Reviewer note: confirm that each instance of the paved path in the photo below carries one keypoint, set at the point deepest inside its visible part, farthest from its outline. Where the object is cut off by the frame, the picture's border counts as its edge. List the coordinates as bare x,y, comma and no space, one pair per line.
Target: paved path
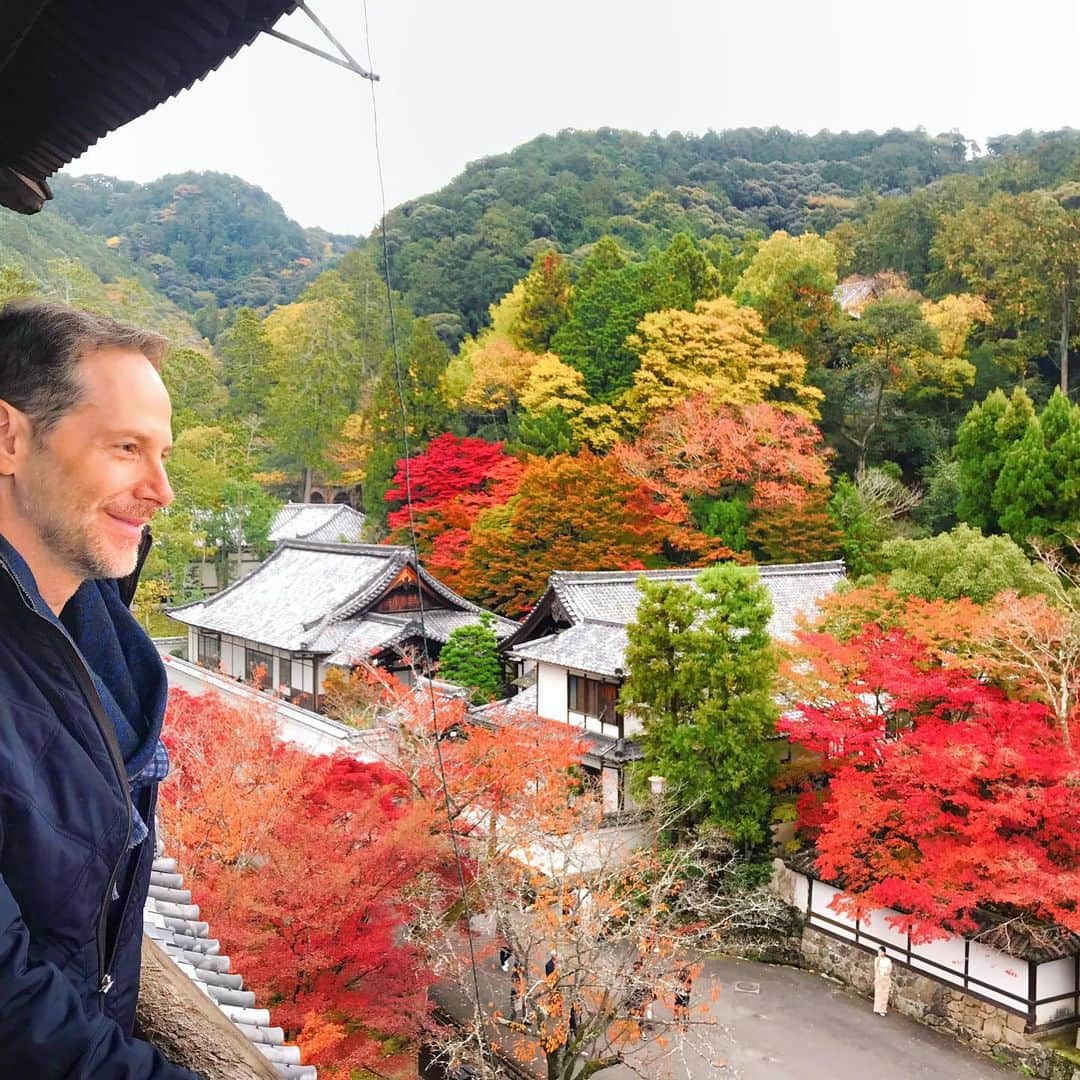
798,1026
805,1027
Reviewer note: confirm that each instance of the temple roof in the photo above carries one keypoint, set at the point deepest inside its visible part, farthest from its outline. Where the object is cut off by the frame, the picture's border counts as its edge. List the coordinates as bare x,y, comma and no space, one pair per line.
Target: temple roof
318,598
72,71
332,523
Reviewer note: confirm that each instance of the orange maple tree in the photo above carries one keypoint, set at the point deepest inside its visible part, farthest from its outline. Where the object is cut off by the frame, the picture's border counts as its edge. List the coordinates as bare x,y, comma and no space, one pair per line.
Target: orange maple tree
941,791
306,864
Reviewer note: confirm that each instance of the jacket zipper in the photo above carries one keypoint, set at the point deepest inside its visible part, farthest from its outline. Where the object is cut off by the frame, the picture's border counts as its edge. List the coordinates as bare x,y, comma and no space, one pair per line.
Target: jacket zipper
97,709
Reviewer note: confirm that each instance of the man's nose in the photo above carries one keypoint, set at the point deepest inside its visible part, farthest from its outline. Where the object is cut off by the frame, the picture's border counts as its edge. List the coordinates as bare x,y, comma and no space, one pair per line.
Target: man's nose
156,487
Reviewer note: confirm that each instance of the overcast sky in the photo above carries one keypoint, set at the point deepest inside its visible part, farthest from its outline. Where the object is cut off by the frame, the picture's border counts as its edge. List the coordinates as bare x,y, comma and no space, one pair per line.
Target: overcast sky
476,77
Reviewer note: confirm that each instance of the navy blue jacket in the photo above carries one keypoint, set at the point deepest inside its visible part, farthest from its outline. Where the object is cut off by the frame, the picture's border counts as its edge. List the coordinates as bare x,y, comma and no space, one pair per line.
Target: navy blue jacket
71,896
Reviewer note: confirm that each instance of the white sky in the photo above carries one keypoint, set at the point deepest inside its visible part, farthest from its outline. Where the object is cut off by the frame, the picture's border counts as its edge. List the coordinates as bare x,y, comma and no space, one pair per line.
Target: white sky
461,80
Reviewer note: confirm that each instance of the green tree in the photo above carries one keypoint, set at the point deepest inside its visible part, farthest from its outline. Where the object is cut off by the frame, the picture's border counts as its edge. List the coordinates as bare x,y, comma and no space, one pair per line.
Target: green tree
790,283
544,303
612,296
891,351
980,454
1022,253
246,358
14,283
470,658
316,381
1023,493
700,668
421,399
192,378
959,563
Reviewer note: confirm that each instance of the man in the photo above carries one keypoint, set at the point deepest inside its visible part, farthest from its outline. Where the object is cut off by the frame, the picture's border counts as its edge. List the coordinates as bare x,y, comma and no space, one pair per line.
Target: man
84,433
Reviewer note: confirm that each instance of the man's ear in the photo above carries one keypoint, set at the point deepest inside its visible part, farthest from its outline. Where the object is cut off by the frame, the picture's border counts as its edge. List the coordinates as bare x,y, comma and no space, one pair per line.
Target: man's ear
14,434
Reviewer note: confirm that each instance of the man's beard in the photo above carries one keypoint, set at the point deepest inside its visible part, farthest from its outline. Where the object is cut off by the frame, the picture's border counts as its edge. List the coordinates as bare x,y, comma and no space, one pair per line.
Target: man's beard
64,527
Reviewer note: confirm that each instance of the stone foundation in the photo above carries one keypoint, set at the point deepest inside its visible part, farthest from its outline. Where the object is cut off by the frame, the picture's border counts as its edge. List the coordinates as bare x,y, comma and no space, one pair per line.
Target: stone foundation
982,1026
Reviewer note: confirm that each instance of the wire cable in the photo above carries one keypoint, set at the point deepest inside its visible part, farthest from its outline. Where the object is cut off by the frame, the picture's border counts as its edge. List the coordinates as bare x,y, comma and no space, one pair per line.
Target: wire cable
399,380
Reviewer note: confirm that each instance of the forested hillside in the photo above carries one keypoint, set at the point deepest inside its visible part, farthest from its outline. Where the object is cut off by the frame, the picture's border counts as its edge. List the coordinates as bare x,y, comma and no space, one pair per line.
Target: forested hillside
205,239
621,350
47,253
460,248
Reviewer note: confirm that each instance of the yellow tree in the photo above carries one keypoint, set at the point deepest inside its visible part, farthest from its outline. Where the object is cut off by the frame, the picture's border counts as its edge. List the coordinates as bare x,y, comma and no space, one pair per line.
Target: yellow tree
718,349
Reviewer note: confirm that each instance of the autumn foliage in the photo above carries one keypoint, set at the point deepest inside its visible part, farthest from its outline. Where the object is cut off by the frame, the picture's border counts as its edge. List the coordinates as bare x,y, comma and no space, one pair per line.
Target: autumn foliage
570,513
451,483
948,781
305,865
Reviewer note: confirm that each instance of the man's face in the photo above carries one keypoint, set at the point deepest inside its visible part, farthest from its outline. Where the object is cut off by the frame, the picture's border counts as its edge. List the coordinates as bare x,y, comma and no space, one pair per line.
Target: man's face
89,485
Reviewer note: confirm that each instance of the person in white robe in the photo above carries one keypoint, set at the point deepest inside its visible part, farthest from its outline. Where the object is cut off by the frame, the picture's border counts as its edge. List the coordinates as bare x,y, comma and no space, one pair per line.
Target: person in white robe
882,981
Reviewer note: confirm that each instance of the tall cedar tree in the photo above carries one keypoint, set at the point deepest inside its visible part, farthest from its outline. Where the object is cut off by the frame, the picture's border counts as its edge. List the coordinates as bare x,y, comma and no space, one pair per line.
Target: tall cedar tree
944,795
570,513
1020,473
309,893
544,307
470,658
452,482
701,666
421,400
246,357
612,296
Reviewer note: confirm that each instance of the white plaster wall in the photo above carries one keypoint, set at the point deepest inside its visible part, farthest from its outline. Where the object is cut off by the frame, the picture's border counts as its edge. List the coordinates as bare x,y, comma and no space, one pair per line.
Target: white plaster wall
609,787
876,923
1053,978
632,726
946,951
822,897
551,700
998,969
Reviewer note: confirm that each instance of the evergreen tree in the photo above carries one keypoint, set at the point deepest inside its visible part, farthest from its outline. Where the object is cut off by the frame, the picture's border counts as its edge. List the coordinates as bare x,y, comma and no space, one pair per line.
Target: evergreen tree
1023,492
421,399
544,304
610,299
470,658
701,666
246,355
979,453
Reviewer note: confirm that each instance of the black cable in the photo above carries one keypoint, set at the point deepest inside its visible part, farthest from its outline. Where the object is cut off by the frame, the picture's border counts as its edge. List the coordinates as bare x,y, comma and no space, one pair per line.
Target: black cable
425,653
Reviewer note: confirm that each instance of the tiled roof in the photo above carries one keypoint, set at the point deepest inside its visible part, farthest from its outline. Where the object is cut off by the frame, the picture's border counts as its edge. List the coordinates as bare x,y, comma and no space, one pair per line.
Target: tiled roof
599,648
328,523
71,71
612,596
172,921
314,597
290,594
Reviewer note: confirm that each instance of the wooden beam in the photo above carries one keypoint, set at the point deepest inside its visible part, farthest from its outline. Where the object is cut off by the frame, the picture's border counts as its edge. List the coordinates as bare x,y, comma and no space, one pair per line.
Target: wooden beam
188,1028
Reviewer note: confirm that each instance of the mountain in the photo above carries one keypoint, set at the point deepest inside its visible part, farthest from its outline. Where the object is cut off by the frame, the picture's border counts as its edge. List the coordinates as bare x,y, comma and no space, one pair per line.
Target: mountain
203,239
462,247
63,261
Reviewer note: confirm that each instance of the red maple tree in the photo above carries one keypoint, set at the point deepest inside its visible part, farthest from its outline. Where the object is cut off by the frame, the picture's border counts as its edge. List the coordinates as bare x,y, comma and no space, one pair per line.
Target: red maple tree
306,864
452,482
943,795
571,512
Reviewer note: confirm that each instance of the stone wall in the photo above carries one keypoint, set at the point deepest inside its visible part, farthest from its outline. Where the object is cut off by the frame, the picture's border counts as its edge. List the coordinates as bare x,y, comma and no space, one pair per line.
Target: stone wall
982,1026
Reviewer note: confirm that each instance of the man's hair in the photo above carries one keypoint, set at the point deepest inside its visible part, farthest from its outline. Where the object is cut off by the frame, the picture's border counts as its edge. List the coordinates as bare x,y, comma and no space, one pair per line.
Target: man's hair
42,341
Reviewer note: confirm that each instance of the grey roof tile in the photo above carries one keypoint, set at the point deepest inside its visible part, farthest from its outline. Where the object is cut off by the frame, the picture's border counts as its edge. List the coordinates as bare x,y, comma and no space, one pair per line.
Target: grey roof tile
187,943
315,598
332,523
613,596
599,648
601,604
